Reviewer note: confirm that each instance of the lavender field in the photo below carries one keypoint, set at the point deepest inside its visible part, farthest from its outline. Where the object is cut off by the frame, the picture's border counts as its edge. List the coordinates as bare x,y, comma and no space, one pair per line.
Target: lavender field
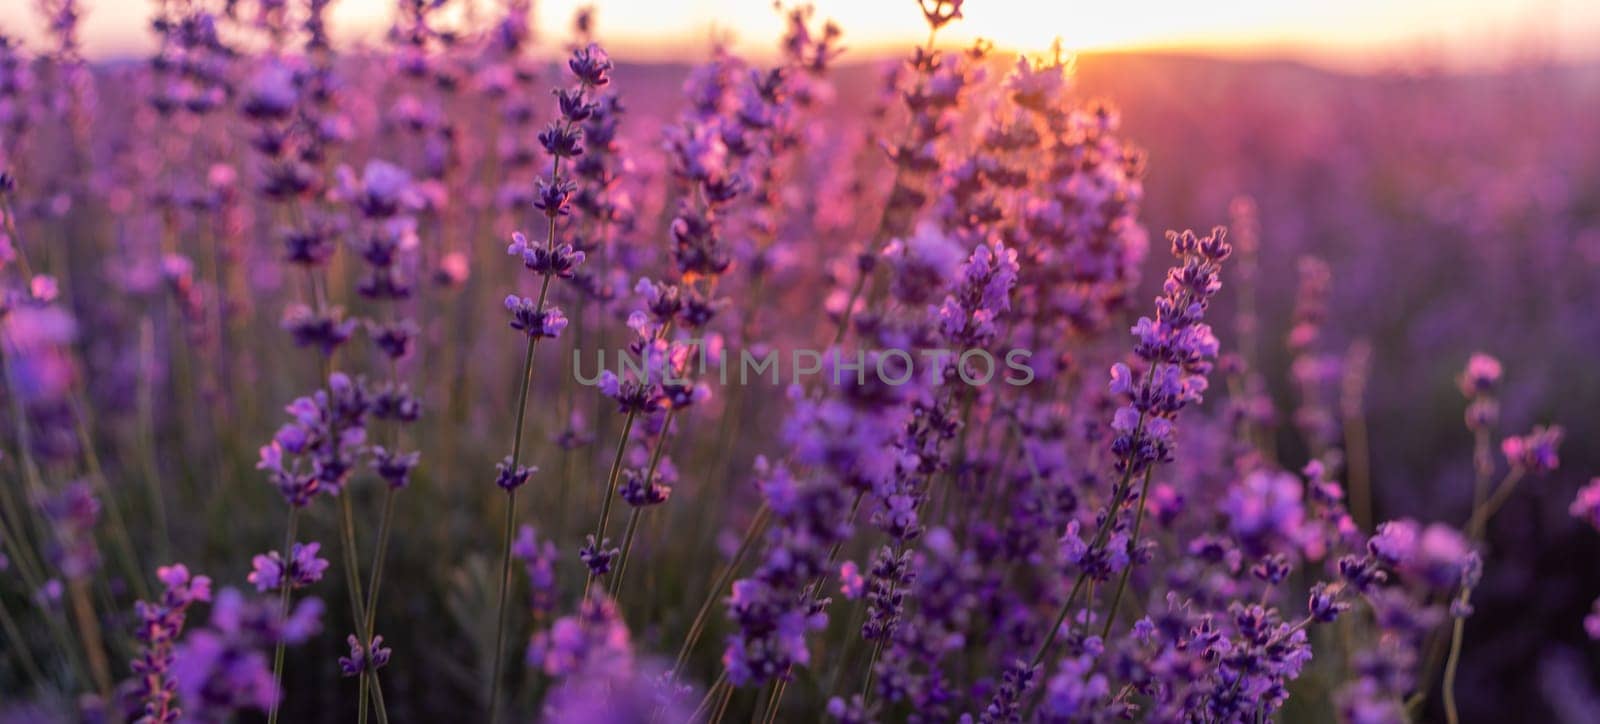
475,375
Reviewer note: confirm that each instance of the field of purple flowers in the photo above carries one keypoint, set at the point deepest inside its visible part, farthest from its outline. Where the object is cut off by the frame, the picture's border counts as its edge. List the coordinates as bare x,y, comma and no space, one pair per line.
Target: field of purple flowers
473,376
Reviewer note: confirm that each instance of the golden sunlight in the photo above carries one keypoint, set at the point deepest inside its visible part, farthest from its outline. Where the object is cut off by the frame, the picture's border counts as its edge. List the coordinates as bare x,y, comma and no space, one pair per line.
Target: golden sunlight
1357,32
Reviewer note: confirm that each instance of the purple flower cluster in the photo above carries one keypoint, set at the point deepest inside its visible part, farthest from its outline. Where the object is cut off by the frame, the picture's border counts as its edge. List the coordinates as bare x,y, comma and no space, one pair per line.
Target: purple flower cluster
1314,370
781,602
319,449
1177,349
302,568
1586,506
73,514
601,679
538,559
159,629
364,659
1534,452
223,669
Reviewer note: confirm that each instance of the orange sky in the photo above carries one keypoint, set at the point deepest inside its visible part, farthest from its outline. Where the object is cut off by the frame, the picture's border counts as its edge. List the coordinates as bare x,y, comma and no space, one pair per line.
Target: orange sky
1351,33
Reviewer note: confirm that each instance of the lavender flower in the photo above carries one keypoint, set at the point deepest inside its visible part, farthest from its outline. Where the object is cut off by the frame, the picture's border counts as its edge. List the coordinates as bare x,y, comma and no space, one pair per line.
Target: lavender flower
1179,349
510,477
393,466
1586,506
359,661
159,629
73,514
317,451
1265,511
1536,451
593,640
775,608
598,556
222,669
303,568
539,562
527,317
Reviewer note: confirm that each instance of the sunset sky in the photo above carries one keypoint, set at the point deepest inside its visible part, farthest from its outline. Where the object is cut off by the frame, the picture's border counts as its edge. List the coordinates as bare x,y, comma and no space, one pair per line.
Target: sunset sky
1353,33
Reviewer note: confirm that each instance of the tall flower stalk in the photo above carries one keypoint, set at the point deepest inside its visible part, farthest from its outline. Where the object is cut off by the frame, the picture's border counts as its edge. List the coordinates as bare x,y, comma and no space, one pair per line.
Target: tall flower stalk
315,453
1177,349
386,240
563,139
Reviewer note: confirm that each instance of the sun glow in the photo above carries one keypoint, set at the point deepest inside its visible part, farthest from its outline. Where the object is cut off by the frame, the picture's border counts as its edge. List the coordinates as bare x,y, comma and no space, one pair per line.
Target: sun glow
1473,32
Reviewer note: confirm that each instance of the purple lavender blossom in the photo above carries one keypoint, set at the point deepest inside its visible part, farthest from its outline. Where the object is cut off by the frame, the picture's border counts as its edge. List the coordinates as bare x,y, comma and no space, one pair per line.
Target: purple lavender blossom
1586,506
508,477
359,661
598,556
1536,451
775,607
303,568
73,514
538,559
159,629
318,450
1265,510
527,317
1179,349
223,669
593,640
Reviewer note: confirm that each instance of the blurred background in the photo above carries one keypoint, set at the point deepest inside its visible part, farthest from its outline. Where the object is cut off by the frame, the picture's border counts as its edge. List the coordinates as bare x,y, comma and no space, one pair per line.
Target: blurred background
1442,156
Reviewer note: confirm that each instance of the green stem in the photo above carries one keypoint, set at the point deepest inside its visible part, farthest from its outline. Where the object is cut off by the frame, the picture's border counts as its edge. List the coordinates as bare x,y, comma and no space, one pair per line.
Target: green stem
757,524
30,467
33,580
1482,511
14,536
1061,617
374,583
1475,527
508,529
633,516
1481,515
611,492
90,664
817,586
352,579
20,647
775,702
1483,465
722,705
1133,545
710,696
1101,534
1456,634
376,580
97,479
872,661
147,441
283,607
89,630
377,698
